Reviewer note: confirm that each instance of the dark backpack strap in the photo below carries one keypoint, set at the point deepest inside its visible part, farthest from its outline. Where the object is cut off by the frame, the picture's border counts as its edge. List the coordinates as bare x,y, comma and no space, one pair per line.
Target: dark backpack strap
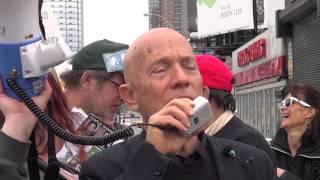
33,166
52,171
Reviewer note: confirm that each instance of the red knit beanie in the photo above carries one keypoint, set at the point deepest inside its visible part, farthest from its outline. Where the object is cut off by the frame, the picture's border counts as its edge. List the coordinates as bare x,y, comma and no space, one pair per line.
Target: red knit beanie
215,74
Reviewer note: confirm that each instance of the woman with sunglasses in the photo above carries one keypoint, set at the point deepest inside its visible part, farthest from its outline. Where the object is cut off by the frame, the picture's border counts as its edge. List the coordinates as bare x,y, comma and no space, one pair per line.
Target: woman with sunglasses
297,142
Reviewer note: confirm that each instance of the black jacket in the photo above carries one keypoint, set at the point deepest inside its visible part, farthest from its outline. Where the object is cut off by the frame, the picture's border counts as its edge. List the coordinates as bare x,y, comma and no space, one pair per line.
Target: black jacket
136,159
306,163
237,130
13,156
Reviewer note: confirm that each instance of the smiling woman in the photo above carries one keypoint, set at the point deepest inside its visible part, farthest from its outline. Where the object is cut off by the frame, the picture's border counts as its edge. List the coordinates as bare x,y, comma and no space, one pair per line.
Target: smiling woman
297,142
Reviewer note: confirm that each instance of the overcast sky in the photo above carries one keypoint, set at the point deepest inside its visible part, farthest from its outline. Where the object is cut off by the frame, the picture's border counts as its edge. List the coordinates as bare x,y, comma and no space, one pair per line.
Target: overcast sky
117,20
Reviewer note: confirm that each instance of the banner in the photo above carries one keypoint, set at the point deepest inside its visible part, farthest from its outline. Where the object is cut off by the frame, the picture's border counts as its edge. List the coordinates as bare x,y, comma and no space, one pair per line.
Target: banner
268,69
221,16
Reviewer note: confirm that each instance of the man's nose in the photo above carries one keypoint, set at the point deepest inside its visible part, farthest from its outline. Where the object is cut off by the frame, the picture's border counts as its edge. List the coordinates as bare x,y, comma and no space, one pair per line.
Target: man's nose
180,76
282,107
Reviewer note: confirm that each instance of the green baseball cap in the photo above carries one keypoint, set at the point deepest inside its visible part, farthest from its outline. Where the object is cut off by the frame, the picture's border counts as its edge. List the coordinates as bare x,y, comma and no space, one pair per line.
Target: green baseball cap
102,54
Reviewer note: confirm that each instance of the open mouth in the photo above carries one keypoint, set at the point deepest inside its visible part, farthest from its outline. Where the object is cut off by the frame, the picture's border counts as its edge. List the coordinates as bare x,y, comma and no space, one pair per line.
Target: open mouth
285,115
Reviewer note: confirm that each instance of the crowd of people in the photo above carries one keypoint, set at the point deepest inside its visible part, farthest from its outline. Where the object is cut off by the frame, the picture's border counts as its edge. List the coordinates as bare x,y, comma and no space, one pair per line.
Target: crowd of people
159,76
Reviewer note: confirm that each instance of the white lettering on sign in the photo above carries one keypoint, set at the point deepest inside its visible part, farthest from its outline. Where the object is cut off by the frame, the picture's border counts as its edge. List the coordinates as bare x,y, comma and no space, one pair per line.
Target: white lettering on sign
51,40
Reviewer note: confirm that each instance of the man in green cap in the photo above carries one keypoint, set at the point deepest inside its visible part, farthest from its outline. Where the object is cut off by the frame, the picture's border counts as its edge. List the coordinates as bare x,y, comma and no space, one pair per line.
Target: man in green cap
92,84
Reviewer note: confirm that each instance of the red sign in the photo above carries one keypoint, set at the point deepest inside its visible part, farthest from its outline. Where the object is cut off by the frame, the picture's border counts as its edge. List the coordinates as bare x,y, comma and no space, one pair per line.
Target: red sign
271,68
252,53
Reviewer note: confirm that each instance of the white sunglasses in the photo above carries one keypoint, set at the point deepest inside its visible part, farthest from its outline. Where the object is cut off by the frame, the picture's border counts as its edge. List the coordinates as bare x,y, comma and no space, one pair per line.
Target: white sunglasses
289,100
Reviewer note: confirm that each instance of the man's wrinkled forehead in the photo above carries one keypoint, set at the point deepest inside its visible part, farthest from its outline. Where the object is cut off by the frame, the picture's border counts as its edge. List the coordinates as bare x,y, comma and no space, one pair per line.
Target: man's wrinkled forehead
133,62
141,51
151,45
163,48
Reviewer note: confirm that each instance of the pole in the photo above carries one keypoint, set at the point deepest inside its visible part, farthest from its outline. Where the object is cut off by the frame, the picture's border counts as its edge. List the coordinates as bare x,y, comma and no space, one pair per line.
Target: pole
255,18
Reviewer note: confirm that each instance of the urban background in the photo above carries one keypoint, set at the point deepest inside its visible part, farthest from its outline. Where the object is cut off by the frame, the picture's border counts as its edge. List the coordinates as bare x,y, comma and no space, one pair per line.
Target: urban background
266,43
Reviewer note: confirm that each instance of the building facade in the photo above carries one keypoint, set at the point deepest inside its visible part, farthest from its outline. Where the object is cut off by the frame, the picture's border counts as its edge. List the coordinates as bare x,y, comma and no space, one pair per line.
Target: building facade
260,68
69,14
178,14
299,25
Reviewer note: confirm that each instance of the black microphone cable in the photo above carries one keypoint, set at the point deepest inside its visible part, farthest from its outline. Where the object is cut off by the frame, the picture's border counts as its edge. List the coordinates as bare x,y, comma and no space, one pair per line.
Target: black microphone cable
61,133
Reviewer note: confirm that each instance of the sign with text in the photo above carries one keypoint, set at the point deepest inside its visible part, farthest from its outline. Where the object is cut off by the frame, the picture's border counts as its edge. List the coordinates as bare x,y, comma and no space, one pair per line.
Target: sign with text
252,53
261,58
268,69
221,16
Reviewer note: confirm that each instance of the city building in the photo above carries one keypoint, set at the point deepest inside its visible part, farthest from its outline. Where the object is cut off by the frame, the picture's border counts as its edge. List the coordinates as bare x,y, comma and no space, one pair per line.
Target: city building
299,25
69,14
260,73
226,25
243,35
179,15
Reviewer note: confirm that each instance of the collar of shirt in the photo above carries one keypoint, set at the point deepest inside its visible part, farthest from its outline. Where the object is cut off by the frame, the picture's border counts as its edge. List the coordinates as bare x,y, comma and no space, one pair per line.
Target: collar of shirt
196,166
200,153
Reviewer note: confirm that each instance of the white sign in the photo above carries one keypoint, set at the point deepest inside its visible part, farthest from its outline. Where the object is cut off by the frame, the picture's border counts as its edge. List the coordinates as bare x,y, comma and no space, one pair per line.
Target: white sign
221,16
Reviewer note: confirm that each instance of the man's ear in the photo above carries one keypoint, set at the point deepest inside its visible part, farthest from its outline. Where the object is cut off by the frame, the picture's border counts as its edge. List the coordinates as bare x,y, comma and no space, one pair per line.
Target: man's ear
206,92
127,95
86,79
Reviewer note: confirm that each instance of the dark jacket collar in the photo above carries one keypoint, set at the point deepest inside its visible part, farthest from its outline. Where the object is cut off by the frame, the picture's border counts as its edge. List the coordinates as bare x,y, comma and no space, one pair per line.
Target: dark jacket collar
216,149
308,147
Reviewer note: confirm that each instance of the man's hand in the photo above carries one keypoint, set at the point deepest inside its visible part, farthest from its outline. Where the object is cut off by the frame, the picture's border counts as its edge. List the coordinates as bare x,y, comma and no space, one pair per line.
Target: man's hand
174,115
19,120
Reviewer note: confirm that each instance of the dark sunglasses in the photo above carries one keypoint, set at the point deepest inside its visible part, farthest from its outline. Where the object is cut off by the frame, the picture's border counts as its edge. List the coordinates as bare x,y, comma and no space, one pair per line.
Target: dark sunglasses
288,101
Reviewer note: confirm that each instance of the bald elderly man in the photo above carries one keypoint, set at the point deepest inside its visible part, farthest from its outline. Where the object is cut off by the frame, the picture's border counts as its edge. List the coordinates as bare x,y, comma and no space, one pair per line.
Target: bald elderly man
162,79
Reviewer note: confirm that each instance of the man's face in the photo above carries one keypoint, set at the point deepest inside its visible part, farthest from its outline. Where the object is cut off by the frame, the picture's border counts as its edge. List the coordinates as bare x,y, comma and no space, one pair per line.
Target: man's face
102,98
169,71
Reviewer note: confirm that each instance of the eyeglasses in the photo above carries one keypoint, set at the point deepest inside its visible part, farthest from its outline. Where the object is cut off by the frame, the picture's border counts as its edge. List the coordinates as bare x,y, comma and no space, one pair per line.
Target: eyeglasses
289,100
113,82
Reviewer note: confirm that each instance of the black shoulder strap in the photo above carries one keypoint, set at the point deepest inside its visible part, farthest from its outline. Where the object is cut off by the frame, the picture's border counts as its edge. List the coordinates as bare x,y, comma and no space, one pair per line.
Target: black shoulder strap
52,171
33,166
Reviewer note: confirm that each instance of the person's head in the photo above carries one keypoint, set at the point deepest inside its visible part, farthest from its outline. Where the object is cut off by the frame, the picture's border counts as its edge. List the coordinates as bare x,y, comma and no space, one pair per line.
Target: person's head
159,66
300,109
95,77
217,77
